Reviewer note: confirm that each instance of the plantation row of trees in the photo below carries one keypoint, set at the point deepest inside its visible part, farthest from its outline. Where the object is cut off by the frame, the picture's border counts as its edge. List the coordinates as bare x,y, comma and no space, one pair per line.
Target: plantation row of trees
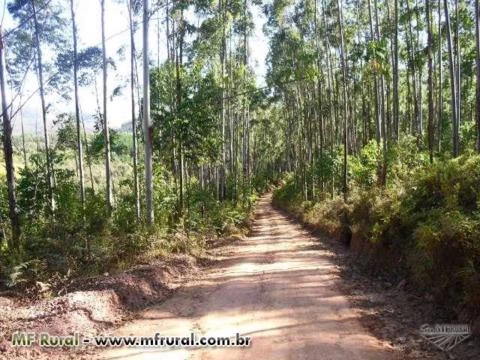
350,72
379,113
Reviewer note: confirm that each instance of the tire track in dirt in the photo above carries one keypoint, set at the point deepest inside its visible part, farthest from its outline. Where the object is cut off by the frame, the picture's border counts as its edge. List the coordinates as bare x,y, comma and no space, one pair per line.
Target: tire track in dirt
277,287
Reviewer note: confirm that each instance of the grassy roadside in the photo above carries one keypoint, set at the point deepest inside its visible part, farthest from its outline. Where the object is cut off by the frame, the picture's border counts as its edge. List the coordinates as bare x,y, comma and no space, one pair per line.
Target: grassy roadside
50,264
424,230
95,304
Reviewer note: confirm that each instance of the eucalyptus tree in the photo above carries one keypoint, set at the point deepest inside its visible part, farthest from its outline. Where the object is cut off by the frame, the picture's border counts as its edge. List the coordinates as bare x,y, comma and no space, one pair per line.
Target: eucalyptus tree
428,15
77,105
396,92
8,156
440,77
134,7
345,109
147,129
222,54
477,46
41,27
106,130
453,83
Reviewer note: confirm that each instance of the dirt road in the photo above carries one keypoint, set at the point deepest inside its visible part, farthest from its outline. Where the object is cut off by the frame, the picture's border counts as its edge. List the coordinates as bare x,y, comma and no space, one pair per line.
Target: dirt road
278,287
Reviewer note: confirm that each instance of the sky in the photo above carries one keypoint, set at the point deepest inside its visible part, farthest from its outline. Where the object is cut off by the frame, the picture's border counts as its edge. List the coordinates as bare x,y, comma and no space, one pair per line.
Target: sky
117,35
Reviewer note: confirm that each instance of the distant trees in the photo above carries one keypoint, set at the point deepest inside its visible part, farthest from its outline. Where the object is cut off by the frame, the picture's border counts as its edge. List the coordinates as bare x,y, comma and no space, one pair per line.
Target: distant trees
393,56
343,77
41,22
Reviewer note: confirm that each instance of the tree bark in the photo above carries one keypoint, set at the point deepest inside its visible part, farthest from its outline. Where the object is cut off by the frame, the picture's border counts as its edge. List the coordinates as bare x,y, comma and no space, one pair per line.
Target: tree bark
106,130
378,114
222,172
44,110
77,108
8,154
134,120
396,100
453,83
430,80
477,28
345,111
440,78
416,126
147,130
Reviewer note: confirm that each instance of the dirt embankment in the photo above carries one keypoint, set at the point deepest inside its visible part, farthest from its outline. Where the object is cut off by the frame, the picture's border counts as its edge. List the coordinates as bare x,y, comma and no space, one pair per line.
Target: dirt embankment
391,308
91,306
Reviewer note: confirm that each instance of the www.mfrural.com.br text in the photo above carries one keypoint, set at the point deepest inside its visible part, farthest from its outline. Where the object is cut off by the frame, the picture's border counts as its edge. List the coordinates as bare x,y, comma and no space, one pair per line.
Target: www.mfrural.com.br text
192,340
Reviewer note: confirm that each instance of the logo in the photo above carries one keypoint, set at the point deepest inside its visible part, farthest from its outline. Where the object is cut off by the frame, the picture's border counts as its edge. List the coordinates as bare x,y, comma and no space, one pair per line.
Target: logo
445,336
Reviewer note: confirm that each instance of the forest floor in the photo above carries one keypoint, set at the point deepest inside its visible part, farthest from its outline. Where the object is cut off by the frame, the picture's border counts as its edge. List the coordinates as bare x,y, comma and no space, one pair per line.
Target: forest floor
293,293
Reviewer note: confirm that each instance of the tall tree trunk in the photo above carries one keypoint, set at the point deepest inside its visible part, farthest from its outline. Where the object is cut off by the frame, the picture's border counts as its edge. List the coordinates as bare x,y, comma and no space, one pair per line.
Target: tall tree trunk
420,76
381,84
458,67
440,78
378,114
77,108
383,172
89,159
8,154
147,131
44,109
430,80
477,28
106,130
178,66
320,112
396,98
245,157
222,169
416,126
345,112
134,120
453,83
24,149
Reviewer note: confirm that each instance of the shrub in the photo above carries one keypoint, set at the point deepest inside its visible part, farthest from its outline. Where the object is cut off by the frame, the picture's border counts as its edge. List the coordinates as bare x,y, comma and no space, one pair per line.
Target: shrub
425,224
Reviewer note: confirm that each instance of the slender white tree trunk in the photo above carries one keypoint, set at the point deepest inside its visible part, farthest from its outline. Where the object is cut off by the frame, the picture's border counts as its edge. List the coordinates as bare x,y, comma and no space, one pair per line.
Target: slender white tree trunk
147,131
106,130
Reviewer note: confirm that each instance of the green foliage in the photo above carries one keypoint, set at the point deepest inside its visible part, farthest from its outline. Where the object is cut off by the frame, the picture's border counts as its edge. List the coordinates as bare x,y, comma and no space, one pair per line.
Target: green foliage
25,273
404,160
289,194
193,122
119,144
427,221
328,165
66,133
364,167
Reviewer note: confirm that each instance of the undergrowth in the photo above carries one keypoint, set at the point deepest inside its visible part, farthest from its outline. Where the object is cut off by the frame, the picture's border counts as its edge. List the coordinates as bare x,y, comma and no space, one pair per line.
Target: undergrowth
423,226
86,243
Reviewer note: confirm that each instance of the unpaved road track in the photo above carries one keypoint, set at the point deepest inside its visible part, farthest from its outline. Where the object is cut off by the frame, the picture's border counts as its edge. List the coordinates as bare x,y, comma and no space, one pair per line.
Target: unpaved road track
278,287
